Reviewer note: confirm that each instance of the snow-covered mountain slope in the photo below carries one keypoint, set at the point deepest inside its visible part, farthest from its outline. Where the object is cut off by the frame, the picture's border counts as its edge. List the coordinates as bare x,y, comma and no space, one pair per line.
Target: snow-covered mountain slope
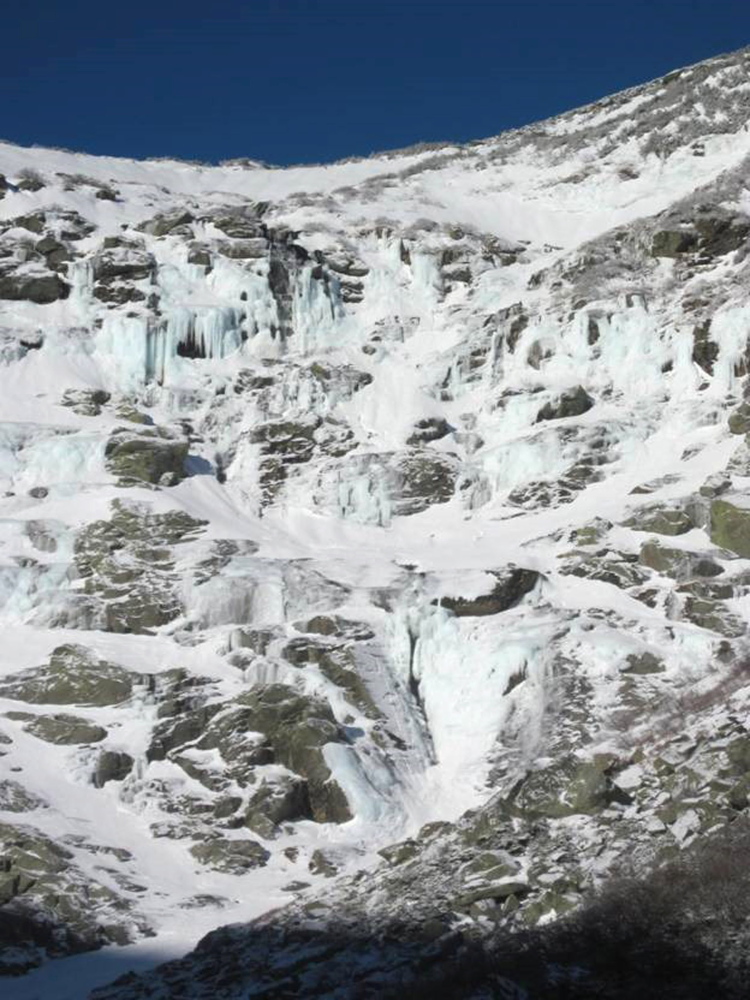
401,501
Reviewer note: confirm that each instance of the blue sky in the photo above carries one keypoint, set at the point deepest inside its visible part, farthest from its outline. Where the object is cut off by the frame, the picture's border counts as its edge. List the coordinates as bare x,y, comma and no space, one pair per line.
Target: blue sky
291,81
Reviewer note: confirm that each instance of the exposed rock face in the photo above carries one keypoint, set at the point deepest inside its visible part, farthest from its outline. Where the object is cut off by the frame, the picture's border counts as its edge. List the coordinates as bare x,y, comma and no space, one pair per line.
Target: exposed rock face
49,906
65,729
32,286
173,223
511,586
393,570
677,563
572,403
72,677
112,765
231,856
730,526
295,730
662,520
127,570
146,457
427,430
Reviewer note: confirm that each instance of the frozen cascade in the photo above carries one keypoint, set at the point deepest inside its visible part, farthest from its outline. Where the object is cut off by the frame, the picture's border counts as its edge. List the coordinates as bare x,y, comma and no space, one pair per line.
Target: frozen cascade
190,334
249,593
63,462
134,350
362,492
122,351
426,278
81,278
368,782
32,591
316,312
31,457
463,668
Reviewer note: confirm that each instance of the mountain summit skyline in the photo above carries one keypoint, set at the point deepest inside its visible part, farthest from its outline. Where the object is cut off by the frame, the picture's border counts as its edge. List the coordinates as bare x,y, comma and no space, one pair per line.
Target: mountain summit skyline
297,82
374,581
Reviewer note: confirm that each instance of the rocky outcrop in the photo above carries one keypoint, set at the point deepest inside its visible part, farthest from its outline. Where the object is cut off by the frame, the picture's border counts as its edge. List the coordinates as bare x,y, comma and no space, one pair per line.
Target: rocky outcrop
127,570
730,525
235,857
147,456
170,224
573,403
567,788
32,285
50,908
677,563
512,585
73,676
662,519
63,729
422,479
295,729
111,765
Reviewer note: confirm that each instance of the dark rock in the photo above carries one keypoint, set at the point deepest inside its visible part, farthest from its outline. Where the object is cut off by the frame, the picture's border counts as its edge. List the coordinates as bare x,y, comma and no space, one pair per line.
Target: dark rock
572,403
714,616
398,854
429,429
126,566
124,263
198,254
231,856
512,584
677,563
111,765
74,676
739,420
705,350
49,908
296,728
720,235
673,243
242,223
174,733
243,249
423,479
163,225
118,294
730,526
321,864
34,222
566,788
284,801
33,286
512,321
343,264
65,730
643,663
662,520
146,457
341,628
